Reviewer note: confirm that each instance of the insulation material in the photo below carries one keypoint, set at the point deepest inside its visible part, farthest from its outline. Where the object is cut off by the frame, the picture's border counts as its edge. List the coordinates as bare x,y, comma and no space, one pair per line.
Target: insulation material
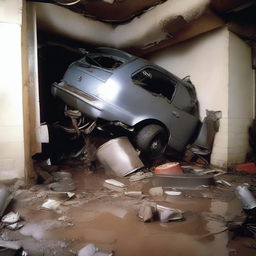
153,26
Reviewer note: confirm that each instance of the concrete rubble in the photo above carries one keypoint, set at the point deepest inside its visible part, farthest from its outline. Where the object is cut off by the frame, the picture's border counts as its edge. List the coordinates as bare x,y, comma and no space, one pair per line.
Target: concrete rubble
140,175
156,191
51,204
150,211
92,250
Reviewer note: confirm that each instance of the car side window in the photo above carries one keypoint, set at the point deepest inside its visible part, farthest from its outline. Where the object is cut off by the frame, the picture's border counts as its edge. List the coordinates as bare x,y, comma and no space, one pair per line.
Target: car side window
155,82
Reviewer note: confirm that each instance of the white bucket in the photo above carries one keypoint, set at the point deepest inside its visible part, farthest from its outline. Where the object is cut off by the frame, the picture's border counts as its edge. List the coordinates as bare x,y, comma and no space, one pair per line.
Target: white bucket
119,156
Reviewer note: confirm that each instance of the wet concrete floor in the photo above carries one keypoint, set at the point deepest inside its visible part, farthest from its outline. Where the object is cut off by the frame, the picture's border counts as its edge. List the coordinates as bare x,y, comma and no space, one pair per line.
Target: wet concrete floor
109,220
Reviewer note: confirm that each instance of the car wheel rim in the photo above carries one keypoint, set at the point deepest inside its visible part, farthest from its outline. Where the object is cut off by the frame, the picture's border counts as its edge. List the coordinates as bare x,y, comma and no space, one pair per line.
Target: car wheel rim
156,145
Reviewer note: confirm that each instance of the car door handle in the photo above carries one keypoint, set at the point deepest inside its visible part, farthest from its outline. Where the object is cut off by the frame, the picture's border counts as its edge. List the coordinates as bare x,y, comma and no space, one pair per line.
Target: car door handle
175,113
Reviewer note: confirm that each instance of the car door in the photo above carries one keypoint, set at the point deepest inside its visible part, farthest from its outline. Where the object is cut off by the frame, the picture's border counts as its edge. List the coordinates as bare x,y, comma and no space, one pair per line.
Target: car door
164,87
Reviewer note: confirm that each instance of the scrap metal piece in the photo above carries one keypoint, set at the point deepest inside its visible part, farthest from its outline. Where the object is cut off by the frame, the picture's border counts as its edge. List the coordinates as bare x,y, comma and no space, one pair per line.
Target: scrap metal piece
150,211
167,214
15,226
182,181
247,199
5,198
115,183
204,142
172,193
223,182
11,218
133,193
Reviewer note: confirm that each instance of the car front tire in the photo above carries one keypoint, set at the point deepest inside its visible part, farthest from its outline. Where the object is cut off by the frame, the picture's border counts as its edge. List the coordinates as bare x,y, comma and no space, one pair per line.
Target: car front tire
151,139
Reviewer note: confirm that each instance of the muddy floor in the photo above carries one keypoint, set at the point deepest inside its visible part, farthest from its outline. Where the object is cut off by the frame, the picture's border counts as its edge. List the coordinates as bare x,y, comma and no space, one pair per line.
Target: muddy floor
109,219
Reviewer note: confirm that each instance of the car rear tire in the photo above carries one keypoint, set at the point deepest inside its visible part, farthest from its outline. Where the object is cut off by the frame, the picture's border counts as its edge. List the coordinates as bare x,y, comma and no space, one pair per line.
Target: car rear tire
151,139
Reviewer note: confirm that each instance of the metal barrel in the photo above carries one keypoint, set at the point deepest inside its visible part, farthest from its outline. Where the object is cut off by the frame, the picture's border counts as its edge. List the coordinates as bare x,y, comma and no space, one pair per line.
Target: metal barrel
119,156
247,199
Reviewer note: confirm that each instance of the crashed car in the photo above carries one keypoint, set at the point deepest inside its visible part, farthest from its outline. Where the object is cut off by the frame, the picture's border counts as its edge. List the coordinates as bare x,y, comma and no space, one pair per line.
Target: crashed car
113,87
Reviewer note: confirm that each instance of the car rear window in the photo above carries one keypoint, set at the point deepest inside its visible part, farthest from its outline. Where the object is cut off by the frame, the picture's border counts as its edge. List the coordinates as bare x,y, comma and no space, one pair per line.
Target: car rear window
155,82
104,62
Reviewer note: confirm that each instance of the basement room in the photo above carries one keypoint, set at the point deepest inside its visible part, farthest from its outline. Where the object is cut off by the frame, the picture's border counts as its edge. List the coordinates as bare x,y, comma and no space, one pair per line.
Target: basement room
127,128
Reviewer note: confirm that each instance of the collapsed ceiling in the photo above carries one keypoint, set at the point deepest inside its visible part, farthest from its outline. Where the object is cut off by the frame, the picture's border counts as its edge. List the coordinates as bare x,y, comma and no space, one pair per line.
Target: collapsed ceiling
139,26
111,11
160,23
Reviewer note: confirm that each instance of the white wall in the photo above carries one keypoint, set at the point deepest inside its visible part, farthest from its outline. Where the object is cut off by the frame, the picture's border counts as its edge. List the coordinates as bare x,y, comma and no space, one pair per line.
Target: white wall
240,96
218,63
11,114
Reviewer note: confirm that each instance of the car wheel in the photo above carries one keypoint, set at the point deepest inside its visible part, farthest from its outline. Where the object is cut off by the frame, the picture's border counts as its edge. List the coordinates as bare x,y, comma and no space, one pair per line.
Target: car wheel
151,139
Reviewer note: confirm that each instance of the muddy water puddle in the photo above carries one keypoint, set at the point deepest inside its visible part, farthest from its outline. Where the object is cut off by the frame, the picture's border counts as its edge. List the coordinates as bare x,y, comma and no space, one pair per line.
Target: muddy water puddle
109,220
112,227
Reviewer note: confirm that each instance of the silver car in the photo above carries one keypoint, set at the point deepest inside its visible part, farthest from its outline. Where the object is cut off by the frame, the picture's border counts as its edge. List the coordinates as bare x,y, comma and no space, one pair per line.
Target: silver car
114,87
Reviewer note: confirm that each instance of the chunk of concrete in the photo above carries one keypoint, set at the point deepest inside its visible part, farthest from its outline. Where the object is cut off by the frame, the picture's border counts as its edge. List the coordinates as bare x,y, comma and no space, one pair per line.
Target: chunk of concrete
156,191
147,211
88,250
92,250
51,204
140,176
